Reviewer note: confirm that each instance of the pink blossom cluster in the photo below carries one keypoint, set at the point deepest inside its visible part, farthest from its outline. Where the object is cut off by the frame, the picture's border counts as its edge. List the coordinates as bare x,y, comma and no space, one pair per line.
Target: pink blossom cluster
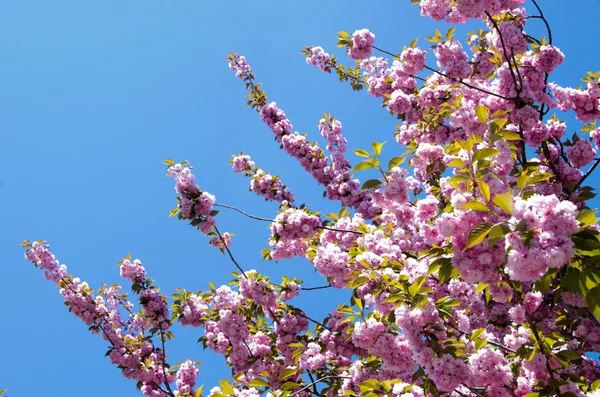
133,271
193,310
413,60
319,58
257,289
548,58
239,66
289,232
194,203
242,163
136,355
186,378
585,103
362,44
463,10
552,222
581,153
221,242
265,185
451,57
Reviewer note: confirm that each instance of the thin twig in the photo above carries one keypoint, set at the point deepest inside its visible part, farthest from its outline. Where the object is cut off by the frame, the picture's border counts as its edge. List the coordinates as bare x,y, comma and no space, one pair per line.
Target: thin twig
314,288
512,73
229,252
260,218
317,381
310,319
545,21
164,354
586,175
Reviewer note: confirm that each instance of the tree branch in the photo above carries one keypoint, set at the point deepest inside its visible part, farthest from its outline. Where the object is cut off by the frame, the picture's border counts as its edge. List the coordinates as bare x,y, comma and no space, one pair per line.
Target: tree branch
229,252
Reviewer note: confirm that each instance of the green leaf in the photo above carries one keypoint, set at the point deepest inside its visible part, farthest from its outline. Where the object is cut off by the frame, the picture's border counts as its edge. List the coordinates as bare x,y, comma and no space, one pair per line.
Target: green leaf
477,234
484,188
496,233
226,387
475,205
484,154
482,113
395,161
286,373
370,183
413,43
456,163
290,385
167,162
569,355
445,272
509,135
477,333
377,147
174,212
258,382
504,201
362,153
499,123
365,165
587,217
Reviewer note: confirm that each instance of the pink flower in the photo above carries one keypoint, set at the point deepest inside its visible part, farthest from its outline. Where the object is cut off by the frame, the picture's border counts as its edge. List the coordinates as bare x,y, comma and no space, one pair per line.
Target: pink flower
362,44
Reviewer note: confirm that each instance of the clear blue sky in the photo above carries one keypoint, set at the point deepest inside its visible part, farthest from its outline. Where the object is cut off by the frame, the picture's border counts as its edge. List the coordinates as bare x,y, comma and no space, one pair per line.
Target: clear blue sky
94,95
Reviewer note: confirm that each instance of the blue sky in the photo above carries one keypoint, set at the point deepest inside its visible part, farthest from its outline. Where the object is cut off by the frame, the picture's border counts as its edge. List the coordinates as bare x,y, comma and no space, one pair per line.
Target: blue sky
94,95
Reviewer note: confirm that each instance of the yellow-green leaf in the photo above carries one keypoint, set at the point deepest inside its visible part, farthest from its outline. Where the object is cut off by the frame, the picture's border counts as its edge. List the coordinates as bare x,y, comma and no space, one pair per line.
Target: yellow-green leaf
504,201
362,153
477,234
484,188
475,205
286,373
482,113
258,382
395,161
377,147
484,154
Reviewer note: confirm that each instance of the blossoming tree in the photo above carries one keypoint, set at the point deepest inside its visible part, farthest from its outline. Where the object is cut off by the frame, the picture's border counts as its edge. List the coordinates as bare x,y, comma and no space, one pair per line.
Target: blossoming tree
473,269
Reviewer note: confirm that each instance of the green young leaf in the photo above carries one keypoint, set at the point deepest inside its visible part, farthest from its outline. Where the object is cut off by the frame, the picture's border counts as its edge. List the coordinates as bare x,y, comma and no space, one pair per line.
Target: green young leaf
258,382
377,147
395,161
226,387
290,385
477,234
475,205
484,188
174,212
509,135
587,217
456,163
286,373
504,201
477,333
413,43
482,113
362,153
370,183
364,165
496,233
484,154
